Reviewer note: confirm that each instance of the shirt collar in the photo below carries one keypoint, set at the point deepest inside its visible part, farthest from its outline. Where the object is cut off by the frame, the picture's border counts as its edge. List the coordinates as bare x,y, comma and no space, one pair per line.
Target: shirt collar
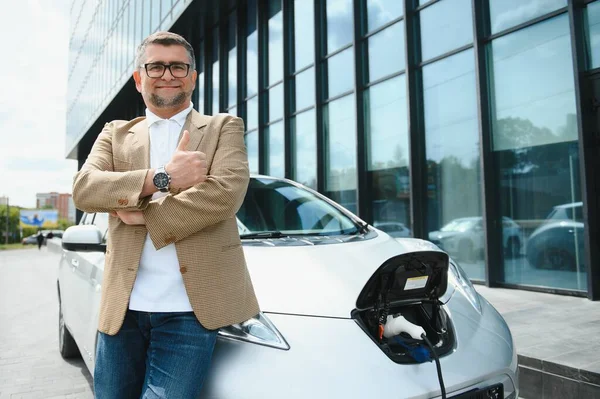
179,118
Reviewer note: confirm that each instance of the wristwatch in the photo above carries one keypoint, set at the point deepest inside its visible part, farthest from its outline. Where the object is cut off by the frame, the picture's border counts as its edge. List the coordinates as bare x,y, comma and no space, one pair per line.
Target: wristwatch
161,179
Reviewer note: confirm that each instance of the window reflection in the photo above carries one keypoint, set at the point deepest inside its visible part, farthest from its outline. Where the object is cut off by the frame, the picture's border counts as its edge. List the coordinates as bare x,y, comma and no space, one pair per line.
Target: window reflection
215,71
445,26
452,150
305,89
505,14
155,11
276,150
276,102
380,12
340,30
251,139
340,74
535,144
200,80
251,51
304,136
592,14
340,132
388,156
275,42
304,33
252,113
379,50
232,60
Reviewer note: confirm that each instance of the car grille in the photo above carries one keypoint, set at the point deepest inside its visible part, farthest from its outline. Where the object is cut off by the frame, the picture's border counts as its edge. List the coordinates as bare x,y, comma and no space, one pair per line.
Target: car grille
492,392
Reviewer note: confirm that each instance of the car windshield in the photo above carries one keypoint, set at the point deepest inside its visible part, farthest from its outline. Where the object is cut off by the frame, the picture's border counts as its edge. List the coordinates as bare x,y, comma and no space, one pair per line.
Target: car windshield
459,225
278,207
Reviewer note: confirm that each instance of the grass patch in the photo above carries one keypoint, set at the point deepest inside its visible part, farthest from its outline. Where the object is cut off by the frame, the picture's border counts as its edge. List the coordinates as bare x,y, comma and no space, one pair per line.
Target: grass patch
15,246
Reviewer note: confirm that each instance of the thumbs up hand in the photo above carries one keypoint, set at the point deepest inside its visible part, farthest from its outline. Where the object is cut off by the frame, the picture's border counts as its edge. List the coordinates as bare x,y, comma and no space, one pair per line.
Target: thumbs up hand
186,168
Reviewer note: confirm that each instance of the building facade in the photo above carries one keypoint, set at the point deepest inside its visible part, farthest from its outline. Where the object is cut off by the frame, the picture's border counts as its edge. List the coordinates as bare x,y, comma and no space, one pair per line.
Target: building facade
62,202
471,123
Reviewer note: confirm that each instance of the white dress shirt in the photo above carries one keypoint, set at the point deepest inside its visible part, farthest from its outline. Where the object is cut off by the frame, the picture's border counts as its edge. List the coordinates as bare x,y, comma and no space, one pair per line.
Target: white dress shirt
159,286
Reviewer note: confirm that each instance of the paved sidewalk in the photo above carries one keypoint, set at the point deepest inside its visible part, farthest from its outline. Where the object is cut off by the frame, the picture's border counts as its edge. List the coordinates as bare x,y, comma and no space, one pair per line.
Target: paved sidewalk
557,339
30,365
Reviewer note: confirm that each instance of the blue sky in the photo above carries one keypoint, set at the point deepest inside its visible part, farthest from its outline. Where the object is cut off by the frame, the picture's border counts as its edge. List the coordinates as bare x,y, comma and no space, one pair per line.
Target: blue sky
33,100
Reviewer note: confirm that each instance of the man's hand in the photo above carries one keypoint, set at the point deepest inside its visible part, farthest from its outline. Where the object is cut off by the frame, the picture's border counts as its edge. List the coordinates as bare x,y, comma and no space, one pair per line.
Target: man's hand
130,217
186,168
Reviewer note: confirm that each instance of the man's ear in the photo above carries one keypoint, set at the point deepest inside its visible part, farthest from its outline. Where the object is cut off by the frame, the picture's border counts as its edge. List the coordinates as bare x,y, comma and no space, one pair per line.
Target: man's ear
138,80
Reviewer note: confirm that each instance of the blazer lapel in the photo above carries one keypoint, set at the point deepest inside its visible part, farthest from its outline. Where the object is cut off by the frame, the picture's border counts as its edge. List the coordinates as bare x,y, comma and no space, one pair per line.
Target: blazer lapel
140,149
194,124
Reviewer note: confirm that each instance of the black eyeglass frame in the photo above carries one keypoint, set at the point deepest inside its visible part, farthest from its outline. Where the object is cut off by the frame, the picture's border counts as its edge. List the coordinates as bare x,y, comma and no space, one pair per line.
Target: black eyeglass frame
165,67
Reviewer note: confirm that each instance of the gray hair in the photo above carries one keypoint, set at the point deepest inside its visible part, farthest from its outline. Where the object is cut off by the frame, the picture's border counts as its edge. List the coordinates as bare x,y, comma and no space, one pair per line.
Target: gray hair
164,39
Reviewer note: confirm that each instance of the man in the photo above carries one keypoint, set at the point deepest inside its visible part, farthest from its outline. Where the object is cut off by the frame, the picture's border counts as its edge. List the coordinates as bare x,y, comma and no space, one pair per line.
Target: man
174,270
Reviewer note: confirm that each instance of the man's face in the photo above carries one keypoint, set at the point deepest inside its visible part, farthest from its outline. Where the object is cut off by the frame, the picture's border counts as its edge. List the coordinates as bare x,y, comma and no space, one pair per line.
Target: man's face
166,92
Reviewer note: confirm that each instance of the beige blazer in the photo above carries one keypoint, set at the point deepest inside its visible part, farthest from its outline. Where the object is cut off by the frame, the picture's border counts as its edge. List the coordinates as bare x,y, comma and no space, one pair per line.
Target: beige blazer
200,220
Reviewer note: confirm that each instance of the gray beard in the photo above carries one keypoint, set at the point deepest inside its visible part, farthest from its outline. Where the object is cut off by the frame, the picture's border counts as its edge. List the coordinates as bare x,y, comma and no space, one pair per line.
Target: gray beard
161,102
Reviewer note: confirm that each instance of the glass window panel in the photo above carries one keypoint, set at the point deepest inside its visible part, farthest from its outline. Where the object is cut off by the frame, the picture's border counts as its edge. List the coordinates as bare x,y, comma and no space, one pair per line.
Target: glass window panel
505,14
276,150
382,61
276,102
340,73
251,51
232,111
155,16
388,156
305,89
166,8
201,93
536,151
445,26
304,136
275,42
215,72
593,34
147,7
200,79
304,33
252,113
452,151
340,133
251,139
232,60
380,12
340,28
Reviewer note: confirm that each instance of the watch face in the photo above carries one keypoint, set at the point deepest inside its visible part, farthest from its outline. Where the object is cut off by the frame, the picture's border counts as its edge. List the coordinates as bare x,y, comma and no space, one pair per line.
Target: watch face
161,180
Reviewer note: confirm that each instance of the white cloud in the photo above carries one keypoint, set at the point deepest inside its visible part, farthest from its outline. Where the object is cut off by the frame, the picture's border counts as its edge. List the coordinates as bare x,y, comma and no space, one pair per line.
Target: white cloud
32,117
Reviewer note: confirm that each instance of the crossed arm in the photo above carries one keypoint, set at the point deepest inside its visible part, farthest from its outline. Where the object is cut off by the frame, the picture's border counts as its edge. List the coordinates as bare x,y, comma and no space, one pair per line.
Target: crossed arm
215,196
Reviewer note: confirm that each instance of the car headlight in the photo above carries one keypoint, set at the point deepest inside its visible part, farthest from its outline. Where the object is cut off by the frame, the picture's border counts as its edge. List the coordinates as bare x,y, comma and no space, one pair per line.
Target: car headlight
257,330
461,282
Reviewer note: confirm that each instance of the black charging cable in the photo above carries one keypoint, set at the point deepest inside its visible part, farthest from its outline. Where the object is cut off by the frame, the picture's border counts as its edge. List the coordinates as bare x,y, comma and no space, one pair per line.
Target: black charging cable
437,365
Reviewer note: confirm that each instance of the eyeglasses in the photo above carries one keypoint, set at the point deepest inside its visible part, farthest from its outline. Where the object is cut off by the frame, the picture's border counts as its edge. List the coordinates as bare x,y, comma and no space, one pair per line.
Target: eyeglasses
157,70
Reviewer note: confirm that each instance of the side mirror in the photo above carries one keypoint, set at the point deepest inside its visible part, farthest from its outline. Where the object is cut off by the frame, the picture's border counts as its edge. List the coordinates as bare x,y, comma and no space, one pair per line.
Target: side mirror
86,238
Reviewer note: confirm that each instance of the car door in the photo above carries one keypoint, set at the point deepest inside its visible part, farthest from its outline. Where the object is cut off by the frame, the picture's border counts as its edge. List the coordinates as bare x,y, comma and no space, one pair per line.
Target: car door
72,286
89,273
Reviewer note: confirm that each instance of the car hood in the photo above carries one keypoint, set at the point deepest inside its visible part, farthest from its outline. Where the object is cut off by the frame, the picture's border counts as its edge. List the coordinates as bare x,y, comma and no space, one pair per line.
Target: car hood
321,280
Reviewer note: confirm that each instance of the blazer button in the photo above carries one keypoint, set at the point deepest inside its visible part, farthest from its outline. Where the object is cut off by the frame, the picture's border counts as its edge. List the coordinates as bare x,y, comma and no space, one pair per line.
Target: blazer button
183,270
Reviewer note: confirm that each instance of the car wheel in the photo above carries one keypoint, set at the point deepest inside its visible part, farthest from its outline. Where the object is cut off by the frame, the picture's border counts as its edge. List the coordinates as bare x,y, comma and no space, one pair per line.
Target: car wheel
66,344
513,248
556,259
465,251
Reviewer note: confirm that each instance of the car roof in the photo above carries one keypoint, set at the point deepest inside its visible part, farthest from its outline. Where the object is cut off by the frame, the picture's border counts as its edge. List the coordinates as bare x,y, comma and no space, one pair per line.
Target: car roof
569,205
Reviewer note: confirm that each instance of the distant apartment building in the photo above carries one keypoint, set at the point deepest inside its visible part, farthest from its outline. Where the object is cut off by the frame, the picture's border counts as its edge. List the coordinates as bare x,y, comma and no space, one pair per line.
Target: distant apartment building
63,202
3,201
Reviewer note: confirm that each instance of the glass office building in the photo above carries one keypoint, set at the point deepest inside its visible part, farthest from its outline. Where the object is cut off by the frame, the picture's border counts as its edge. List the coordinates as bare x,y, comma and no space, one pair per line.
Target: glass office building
471,123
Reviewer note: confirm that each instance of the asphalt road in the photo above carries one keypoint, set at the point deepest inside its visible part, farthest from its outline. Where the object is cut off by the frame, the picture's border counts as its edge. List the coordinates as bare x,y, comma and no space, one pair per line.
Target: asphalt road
30,365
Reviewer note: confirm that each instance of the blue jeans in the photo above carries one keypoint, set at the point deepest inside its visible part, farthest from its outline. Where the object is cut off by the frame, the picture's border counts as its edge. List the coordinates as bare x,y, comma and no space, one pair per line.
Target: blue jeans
154,355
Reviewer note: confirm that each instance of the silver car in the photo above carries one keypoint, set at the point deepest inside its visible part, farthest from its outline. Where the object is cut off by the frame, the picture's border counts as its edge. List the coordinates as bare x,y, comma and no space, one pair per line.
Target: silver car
347,311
